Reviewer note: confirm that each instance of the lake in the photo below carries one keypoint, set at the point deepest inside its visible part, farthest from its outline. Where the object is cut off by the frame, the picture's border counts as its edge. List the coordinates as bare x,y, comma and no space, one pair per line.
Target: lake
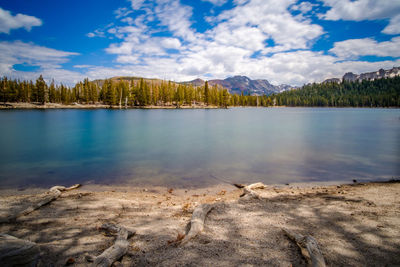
185,148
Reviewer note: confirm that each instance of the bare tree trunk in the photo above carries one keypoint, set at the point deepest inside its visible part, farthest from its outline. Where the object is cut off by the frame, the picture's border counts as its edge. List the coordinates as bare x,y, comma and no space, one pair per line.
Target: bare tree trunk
309,248
18,252
196,224
249,190
50,196
117,250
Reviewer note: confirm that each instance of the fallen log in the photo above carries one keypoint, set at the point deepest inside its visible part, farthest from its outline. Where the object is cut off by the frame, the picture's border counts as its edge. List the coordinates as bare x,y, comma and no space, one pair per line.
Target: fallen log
17,252
50,196
196,224
117,250
309,248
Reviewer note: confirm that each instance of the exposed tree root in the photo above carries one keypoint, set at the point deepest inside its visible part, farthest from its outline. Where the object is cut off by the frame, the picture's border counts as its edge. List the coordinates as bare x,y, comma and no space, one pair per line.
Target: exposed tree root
196,224
249,192
309,248
17,252
116,251
50,196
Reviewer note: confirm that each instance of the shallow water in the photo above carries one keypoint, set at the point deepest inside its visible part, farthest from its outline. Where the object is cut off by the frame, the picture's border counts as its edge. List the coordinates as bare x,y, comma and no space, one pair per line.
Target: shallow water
183,147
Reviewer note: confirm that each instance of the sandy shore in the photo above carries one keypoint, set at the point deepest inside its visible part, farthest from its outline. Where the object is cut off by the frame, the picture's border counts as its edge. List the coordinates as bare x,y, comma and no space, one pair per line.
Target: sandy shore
355,225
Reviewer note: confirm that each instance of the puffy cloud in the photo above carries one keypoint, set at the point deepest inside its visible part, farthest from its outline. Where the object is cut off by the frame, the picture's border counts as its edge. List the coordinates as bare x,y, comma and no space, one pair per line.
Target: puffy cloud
393,27
365,10
354,48
256,38
274,20
237,44
361,9
9,22
170,43
303,7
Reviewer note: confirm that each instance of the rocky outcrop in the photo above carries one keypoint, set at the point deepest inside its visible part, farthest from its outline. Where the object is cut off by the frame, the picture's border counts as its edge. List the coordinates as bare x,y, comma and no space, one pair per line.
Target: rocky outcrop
372,75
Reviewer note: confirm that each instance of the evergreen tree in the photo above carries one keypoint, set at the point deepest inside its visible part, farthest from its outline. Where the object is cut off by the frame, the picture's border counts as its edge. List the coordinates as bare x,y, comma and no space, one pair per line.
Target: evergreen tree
206,93
42,91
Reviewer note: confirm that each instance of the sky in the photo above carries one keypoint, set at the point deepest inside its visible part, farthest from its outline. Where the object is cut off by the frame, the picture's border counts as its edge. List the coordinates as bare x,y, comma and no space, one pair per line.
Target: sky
284,41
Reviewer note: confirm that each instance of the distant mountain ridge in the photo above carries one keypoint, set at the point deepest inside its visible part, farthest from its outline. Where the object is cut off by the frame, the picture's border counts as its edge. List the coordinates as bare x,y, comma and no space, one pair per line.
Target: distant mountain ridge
351,77
245,85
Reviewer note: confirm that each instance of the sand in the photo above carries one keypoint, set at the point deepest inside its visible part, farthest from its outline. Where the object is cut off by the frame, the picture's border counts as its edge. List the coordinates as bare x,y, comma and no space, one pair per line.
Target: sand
355,225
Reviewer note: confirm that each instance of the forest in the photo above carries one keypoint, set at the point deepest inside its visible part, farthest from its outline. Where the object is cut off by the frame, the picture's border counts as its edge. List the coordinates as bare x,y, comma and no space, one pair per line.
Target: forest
377,93
143,92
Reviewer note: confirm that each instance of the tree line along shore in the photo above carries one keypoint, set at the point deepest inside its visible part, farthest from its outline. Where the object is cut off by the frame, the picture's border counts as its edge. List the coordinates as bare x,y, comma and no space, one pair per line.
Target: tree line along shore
142,93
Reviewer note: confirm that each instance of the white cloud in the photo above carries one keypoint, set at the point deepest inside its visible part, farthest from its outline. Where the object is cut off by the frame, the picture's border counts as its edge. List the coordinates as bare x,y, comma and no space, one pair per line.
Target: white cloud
122,12
227,49
136,4
303,7
354,48
365,10
216,2
275,22
170,43
9,22
96,33
361,9
83,66
47,60
393,27
238,43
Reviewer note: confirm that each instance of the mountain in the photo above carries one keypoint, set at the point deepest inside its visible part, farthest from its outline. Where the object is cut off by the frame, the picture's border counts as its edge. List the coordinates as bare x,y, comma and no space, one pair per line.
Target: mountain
245,85
351,77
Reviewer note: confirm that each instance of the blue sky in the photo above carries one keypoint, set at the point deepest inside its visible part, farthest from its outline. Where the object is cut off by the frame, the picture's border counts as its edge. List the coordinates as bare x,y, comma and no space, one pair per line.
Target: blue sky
285,41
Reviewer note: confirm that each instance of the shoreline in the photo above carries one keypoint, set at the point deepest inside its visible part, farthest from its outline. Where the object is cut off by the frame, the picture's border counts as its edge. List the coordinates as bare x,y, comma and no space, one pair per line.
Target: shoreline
12,106
124,188
55,106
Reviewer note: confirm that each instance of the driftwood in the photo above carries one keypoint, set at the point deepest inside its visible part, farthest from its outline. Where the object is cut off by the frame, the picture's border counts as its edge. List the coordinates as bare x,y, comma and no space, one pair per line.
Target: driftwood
196,224
50,196
17,252
249,192
116,251
309,248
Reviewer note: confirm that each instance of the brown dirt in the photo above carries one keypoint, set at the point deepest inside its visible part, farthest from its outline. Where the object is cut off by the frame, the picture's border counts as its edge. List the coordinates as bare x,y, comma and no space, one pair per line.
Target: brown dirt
355,225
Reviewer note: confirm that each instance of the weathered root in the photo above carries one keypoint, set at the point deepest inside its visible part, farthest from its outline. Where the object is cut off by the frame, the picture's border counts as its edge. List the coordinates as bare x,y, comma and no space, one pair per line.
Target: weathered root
309,248
50,196
116,251
196,224
18,252
249,192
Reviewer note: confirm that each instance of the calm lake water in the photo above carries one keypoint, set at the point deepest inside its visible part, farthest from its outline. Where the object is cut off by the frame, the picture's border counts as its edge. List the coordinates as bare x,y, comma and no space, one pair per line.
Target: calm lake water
183,147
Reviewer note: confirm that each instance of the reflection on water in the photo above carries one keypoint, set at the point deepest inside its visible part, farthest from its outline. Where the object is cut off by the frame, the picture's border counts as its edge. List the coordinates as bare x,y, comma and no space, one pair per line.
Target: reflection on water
183,147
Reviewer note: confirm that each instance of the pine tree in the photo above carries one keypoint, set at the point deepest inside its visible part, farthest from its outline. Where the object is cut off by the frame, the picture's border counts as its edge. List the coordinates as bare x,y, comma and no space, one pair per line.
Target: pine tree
206,93
42,91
